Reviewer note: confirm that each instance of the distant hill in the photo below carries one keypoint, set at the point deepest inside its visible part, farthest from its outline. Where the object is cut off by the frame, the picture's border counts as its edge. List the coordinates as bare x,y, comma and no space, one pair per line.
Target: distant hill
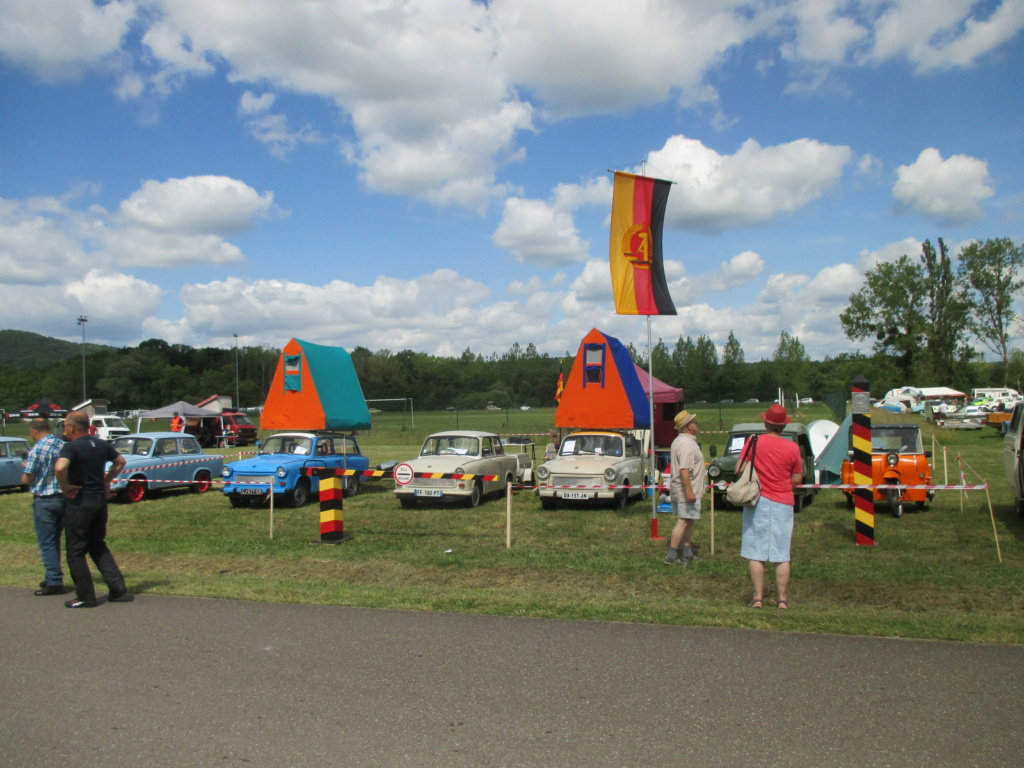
23,349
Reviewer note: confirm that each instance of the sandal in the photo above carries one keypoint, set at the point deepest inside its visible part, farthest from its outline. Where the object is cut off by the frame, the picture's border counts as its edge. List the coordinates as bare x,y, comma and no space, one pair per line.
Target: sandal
756,603
783,604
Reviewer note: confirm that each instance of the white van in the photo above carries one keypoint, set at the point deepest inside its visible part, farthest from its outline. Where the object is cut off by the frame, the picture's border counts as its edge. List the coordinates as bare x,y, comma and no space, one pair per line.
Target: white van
1013,465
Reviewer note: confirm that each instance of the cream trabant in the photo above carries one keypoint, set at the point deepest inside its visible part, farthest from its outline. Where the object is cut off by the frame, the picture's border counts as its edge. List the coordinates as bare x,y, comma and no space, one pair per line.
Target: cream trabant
592,467
461,452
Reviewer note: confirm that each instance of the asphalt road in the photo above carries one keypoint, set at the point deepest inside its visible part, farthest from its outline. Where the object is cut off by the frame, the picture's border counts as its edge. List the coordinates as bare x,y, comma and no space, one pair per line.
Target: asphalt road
181,682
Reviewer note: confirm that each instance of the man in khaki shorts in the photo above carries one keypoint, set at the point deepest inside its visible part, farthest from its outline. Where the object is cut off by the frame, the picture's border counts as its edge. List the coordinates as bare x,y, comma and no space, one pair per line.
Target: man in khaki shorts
685,488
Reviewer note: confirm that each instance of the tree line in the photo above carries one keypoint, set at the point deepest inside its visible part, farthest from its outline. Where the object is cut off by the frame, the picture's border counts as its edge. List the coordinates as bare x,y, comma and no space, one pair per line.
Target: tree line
920,315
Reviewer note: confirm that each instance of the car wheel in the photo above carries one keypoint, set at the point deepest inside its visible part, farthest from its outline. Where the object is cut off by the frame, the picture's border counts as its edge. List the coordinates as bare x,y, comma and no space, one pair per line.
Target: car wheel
352,486
1018,504
546,503
299,495
134,491
239,502
798,502
895,505
621,499
202,483
849,500
476,495
407,503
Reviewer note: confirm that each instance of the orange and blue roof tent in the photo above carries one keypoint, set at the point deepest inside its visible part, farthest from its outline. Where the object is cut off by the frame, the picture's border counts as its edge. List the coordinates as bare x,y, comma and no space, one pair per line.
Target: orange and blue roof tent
603,390
315,387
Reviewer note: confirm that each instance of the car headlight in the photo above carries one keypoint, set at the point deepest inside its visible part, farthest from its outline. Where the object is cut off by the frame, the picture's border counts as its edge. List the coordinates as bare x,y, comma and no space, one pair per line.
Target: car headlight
459,471
543,472
282,472
610,474
225,472
892,459
714,470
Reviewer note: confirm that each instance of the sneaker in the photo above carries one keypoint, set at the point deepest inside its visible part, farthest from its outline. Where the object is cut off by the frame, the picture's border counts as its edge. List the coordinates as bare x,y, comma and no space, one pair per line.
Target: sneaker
113,597
674,561
56,589
692,557
79,604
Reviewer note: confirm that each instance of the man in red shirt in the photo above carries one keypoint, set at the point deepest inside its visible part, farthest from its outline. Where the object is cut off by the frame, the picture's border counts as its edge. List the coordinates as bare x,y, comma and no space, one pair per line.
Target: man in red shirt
768,526
177,423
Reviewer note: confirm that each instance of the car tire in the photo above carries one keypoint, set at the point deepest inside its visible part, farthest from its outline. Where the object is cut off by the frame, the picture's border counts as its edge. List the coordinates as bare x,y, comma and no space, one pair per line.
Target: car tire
798,502
546,503
134,491
621,499
299,495
407,503
202,483
849,500
476,495
352,486
238,502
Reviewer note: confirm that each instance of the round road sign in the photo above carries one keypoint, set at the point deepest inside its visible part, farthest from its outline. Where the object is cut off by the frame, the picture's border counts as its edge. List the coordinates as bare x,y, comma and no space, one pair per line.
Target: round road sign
403,474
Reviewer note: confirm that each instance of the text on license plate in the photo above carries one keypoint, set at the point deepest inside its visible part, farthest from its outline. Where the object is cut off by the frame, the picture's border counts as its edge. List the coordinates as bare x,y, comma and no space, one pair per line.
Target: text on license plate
252,491
428,492
571,495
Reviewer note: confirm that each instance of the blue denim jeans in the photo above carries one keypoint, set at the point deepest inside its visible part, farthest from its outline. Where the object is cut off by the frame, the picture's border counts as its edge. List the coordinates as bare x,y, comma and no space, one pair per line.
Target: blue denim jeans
48,515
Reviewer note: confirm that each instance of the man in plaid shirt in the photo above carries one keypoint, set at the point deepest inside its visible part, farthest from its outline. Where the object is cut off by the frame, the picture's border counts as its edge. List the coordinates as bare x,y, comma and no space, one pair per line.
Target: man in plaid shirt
47,502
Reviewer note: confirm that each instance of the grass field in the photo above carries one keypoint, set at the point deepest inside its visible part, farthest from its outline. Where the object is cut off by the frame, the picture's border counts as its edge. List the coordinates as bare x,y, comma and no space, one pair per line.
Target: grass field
934,574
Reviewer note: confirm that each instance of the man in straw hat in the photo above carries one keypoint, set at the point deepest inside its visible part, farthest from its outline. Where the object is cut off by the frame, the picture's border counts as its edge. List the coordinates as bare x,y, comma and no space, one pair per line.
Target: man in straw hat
768,526
685,488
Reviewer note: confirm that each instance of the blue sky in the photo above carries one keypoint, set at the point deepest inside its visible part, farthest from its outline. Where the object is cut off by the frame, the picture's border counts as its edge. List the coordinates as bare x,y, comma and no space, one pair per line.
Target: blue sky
433,174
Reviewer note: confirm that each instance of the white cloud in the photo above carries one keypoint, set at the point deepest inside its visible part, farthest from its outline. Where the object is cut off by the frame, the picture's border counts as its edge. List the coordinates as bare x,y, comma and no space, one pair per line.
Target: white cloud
538,233
271,129
111,298
59,40
198,204
946,190
715,192
889,252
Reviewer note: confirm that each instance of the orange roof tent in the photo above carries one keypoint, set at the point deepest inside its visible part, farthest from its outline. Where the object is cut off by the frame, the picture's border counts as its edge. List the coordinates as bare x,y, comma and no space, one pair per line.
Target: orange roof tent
315,387
603,390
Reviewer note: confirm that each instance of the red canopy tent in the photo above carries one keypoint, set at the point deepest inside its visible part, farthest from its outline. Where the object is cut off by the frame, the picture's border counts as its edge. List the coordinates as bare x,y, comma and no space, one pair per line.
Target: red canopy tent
668,401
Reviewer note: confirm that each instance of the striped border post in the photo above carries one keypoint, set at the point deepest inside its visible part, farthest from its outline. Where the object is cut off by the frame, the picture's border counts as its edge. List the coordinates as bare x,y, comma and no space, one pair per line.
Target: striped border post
864,498
332,513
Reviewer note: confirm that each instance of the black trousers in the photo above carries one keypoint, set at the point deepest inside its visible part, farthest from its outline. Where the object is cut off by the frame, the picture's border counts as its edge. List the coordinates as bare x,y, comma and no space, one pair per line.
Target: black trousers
85,526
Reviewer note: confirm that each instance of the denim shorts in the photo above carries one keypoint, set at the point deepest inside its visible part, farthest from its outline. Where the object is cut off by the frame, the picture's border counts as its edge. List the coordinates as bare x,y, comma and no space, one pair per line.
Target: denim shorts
767,531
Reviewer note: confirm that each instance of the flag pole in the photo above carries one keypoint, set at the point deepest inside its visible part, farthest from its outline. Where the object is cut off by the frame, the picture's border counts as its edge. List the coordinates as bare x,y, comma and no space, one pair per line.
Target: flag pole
650,431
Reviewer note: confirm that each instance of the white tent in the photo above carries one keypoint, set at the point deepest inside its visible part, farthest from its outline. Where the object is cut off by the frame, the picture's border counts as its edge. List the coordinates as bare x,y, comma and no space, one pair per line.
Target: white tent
185,410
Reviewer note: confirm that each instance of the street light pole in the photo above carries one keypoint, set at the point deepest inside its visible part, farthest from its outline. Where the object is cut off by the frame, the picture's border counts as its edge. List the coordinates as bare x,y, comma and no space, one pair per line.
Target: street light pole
238,403
82,320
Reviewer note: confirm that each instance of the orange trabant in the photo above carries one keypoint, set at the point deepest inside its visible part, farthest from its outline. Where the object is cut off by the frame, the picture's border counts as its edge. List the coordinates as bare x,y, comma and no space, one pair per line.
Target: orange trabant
898,459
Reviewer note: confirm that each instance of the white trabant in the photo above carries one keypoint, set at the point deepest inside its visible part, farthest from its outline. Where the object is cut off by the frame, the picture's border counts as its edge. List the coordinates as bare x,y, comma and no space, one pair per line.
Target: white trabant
459,452
592,467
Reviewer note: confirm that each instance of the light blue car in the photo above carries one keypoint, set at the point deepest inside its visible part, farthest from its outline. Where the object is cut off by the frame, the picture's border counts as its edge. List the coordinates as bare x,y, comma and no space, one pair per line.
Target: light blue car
13,451
280,466
157,461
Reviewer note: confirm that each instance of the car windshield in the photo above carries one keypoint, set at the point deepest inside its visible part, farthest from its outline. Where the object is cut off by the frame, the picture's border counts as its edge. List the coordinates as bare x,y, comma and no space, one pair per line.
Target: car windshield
241,418
134,446
591,445
294,444
449,445
736,442
112,421
896,440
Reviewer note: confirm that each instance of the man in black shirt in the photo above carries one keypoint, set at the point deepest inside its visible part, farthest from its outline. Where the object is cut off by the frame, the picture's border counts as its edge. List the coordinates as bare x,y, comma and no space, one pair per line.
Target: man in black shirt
86,486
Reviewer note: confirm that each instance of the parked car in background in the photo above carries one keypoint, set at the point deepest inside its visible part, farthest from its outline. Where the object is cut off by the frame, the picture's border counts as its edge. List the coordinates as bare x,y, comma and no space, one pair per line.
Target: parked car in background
13,451
898,459
598,467
1013,458
109,426
459,452
230,428
722,469
158,461
280,465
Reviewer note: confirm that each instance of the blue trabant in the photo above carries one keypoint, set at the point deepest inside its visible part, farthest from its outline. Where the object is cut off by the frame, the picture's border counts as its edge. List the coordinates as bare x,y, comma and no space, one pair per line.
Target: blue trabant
281,463
13,451
157,461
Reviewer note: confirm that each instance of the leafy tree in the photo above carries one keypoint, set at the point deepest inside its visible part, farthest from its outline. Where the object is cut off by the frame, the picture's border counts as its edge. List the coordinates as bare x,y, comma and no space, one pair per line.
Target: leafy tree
791,364
992,272
889,308
948,312
733,371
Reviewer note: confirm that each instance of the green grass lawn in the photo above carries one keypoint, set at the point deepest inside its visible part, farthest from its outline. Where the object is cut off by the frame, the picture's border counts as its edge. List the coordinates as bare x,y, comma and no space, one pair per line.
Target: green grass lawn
934,574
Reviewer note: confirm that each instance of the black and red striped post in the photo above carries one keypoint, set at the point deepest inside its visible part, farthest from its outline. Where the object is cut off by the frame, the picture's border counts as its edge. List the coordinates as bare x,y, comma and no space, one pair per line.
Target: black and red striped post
864,498
332,512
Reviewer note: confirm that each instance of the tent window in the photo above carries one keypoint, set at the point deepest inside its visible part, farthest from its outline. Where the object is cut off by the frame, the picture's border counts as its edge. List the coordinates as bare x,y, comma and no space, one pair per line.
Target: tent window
293,373
593,364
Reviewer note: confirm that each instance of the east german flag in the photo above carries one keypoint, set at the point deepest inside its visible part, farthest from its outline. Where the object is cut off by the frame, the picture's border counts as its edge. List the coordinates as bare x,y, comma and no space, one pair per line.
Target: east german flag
638,271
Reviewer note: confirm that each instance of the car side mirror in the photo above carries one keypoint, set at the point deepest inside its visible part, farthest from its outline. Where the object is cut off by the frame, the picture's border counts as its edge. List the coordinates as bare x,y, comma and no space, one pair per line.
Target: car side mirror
927,454
713,450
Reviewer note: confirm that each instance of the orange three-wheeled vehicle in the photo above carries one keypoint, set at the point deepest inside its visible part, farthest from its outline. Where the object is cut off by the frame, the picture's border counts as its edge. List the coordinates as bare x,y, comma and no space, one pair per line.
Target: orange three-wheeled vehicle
898,459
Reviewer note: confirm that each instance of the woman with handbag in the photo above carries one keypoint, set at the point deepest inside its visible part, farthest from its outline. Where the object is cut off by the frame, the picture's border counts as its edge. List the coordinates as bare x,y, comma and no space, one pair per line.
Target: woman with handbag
768,526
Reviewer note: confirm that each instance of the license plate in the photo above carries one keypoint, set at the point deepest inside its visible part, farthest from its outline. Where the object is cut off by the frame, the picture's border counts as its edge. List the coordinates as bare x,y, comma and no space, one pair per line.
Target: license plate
437,492
252,491
575,495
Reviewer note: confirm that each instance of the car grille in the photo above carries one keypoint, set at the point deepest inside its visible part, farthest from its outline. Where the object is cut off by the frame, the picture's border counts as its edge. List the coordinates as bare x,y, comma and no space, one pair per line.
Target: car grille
267,479
577,480
433,482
